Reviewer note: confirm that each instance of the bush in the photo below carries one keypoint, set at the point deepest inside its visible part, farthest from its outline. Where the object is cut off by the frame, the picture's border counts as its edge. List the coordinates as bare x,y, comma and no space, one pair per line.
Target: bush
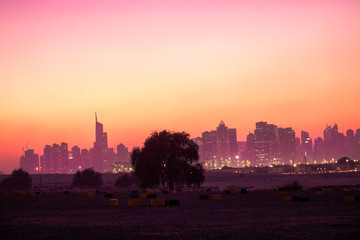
294,186
125,181
18,180
87,178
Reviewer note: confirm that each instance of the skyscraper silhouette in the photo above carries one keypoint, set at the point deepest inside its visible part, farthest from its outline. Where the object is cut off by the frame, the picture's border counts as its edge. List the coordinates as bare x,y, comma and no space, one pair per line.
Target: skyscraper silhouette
75,164
219,144
100,147
287,144
30,161
267,144
47,165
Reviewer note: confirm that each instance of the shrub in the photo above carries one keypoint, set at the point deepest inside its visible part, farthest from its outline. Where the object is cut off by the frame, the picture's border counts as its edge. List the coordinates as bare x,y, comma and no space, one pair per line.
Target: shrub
294,186
18,180
126,180
123,181
87,178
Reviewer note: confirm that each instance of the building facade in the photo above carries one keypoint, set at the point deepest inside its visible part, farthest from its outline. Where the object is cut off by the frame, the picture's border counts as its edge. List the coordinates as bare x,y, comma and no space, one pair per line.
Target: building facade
267,144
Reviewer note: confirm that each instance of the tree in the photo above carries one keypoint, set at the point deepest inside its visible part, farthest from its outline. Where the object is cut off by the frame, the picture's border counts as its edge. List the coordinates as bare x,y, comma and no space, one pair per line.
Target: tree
195,175
294,186
87,178
167,158
346,163
124,181
18,180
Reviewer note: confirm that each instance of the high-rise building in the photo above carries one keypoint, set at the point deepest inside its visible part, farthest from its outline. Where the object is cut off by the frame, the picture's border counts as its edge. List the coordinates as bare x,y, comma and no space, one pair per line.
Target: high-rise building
47,165
267,144
219,146
109,159
223,141
122,159
209,141
304,135
333,143
64,158
299,152
318,150
350,133
101,153
56,158
75,162
306,147
287,144
250,147
30,161
357,144
122,154
242,152
350,144
85,159
41,164
357,133
233,143
36,163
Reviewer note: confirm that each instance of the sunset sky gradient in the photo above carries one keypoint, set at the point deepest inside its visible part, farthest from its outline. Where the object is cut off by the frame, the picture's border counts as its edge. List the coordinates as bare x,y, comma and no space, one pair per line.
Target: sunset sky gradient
181,65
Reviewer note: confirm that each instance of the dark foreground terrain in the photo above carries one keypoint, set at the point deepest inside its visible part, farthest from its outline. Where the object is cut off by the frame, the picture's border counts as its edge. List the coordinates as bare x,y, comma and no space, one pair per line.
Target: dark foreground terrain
255,215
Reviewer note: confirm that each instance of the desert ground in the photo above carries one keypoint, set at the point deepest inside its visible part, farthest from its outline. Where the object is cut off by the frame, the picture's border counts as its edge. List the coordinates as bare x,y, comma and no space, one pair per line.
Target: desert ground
221,179
258,214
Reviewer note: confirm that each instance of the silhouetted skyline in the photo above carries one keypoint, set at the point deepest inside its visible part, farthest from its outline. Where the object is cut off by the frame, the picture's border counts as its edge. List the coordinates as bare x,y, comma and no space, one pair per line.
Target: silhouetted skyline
267,145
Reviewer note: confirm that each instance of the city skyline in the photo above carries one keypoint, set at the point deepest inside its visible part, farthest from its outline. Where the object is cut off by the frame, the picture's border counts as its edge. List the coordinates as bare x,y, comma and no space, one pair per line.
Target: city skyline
100,143
178,65
267,145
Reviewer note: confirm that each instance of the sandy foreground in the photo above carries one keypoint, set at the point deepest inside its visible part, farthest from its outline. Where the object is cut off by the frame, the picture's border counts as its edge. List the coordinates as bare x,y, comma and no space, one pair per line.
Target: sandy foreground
221,179
255,215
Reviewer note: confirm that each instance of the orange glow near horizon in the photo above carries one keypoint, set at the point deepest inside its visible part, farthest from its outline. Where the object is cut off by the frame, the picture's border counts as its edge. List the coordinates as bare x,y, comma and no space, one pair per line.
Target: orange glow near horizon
176,65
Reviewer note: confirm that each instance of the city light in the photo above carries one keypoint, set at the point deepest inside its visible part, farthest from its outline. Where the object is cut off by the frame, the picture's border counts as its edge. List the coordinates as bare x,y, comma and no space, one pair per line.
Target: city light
218,149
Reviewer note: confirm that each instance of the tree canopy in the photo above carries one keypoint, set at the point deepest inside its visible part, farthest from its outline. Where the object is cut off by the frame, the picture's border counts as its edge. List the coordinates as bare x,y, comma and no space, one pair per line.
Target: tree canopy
346,163
125,180
18,180
87,178
168,158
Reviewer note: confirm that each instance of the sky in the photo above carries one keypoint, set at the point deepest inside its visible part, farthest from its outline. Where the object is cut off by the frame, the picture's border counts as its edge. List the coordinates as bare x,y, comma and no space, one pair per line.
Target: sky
178,65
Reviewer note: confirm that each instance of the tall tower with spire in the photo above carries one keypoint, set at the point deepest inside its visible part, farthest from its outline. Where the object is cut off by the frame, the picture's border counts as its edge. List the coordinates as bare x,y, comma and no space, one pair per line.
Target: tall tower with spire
100,146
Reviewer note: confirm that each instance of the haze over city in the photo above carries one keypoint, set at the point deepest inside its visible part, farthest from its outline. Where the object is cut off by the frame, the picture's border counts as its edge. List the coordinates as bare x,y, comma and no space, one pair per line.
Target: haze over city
179,65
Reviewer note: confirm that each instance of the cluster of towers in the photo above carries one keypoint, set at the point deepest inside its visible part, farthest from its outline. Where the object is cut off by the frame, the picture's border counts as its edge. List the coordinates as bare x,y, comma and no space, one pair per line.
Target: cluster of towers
219,146
57,158
270,145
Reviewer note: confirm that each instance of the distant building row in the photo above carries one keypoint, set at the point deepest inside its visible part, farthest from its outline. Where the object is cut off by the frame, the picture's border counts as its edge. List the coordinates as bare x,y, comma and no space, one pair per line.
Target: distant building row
270,145
58,159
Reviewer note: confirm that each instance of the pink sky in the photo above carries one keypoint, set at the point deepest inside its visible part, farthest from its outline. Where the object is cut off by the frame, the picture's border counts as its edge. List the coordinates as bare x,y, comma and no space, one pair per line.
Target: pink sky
178,65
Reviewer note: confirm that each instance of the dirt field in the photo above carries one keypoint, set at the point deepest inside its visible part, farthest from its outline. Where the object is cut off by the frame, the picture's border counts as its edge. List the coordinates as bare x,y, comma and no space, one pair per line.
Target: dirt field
221,179
255,215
